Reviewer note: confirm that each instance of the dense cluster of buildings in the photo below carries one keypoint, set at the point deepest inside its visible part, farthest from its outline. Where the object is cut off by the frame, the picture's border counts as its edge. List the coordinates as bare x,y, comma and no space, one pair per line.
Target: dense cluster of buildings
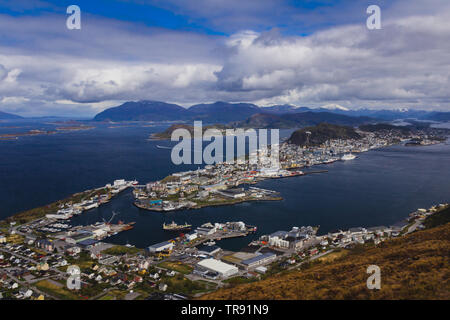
219,182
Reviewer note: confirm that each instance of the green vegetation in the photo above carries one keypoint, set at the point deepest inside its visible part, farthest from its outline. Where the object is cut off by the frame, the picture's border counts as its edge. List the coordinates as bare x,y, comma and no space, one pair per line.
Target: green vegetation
121,250
56,290
83,261
167,134
176,266
180,284
239,280
384,127
438,218
316,136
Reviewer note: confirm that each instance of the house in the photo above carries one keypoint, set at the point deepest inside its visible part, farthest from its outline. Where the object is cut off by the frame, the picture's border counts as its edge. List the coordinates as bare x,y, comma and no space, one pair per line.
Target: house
73,250
155,276
144,264
26,293
162,287
42,266
37,296
45,244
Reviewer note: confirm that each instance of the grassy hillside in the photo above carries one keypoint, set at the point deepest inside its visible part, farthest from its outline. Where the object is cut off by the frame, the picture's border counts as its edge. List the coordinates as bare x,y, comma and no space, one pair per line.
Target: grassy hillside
412,267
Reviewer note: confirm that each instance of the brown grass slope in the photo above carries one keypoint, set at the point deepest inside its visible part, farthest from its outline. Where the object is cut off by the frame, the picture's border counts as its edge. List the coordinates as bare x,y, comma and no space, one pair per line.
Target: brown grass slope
412,267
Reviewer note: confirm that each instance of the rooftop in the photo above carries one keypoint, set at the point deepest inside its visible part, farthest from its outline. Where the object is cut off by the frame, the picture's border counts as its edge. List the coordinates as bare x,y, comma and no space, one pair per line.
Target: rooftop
257,258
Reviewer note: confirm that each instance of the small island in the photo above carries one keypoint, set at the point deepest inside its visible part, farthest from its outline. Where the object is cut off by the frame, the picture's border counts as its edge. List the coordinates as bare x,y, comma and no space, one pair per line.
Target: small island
167,134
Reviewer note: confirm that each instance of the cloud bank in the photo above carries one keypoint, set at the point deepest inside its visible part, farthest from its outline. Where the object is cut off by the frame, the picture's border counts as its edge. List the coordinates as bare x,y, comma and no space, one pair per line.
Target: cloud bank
47,69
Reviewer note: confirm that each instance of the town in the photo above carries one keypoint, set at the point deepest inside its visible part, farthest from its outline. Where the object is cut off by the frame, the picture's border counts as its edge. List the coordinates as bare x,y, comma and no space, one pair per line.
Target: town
228,183
183,267
38,247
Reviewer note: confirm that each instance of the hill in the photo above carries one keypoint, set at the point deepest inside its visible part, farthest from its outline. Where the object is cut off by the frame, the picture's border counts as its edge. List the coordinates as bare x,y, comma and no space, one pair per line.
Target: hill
438,116
283,108
300,119
143,111
266,121
415,266
314,136
167,134
222,112
384,127
8,116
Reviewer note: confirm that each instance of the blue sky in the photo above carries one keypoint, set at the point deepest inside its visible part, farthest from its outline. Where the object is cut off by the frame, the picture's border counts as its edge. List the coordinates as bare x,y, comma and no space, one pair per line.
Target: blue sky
306,53
175,15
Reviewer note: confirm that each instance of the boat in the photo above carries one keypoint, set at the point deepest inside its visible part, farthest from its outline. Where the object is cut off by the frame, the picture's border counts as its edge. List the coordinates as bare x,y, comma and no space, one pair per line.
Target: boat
348,156
210,243
175,227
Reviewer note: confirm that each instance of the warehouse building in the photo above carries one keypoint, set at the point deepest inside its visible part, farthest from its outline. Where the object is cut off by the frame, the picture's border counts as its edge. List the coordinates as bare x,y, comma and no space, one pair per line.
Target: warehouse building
208,250
223,269
166,245
81,236
259,260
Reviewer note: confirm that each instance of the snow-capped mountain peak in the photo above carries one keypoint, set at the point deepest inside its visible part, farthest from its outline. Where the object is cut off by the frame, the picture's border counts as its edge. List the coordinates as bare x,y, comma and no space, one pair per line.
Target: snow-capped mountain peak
333,106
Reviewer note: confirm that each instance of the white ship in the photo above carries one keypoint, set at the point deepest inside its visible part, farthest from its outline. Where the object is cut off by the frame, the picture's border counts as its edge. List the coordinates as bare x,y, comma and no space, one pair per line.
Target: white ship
348,156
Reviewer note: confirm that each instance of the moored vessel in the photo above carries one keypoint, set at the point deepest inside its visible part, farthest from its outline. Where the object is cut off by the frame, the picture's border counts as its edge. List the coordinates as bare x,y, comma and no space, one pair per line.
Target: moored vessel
176,227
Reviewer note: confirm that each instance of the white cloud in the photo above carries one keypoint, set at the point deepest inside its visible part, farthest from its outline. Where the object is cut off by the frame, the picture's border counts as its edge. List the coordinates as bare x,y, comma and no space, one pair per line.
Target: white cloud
44,68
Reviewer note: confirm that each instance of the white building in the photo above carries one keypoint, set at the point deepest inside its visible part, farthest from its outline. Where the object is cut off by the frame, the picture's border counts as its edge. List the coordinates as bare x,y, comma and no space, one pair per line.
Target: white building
166,245
278,242
223,269
119,183
101,232
191,236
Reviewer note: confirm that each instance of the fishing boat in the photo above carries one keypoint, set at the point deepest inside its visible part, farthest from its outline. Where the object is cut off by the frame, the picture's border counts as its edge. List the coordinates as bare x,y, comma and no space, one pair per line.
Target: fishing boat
175,227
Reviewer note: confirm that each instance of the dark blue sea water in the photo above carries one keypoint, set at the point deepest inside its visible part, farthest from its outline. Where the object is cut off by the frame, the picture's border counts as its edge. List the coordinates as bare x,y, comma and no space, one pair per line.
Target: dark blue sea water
379,188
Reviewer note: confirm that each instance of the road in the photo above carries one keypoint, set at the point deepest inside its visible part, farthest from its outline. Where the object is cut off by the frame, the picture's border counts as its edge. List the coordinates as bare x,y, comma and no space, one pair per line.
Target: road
414,226
310,259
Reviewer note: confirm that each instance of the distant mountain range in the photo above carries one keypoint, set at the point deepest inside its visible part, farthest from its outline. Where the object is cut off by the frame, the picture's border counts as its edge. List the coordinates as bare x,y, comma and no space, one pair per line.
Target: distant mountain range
224,112
437,116
291,120
8,116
